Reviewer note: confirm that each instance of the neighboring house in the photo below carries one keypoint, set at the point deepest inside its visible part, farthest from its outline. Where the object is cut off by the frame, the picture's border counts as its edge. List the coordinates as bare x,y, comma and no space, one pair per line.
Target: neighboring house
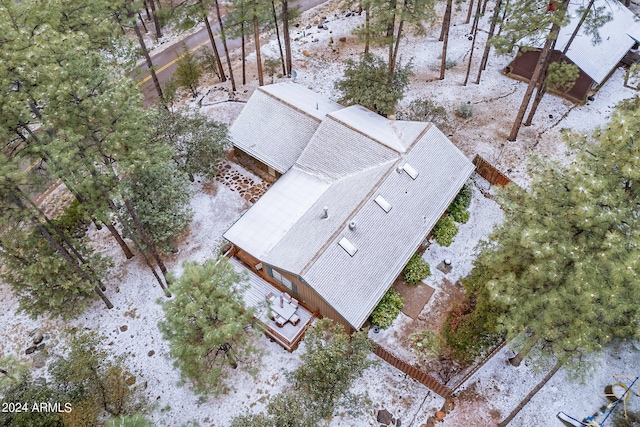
342,222
596,61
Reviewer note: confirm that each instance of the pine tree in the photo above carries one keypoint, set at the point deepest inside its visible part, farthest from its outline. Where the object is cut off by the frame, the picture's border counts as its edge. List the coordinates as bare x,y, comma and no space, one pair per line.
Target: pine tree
564,262
188,72
209,329
366,83
160,195
198,141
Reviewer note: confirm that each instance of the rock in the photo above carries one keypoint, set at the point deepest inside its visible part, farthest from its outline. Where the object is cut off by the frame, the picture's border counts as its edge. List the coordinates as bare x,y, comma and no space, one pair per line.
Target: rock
324,27
398,423
306,53
349,14
130,380
40,347
123,328
37,335
385,417
321,26
440,415
31,349
343,39
151,353
39,360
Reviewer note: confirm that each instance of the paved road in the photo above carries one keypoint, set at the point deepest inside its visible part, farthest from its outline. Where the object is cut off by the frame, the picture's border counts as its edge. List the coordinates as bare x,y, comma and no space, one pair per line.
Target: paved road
165,61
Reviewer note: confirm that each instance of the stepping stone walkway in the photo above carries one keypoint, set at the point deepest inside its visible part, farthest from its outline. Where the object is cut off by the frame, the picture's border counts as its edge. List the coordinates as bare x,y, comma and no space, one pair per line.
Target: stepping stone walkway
249,188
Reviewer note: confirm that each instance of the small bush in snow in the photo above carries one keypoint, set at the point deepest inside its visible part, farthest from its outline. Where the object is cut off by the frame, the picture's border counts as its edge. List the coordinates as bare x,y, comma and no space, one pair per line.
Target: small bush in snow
416,270
444,231
388,309
465,110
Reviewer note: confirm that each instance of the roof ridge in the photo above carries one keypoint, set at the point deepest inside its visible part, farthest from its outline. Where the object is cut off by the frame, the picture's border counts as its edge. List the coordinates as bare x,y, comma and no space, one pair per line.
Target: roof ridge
288,104
364,200
366,135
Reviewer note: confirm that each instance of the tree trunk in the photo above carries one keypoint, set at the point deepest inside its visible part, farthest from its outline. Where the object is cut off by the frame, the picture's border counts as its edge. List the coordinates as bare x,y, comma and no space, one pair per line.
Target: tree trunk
224,46
145,53
444,36
395,51
244,55
487,47
367,26
143,24
256,35
546,52
474,32
63,252
287,37
528,345
504,15
541,87
469,12
275,22
123,245
155,19
145,238
223,77
146,8
391,30
484,6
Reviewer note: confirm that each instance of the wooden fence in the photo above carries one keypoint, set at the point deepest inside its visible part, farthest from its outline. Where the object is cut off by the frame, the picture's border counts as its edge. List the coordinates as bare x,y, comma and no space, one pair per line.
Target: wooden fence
489,172
413,372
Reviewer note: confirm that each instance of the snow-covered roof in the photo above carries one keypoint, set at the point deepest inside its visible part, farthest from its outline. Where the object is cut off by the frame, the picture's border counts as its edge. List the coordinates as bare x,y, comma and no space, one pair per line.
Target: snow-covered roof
345,167
278,122
385,241
617,36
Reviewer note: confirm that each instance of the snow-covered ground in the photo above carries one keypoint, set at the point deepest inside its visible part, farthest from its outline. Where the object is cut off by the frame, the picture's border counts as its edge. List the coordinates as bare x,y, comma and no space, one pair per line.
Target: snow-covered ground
319,57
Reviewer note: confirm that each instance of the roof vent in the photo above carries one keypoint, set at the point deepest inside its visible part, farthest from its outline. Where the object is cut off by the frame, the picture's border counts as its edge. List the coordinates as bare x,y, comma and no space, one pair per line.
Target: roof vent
348,246
326,212
382,202
410,171
399,169
352,225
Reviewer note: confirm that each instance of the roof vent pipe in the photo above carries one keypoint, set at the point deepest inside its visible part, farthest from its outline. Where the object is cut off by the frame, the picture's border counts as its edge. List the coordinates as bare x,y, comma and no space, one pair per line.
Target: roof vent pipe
399,169
326,212
352,225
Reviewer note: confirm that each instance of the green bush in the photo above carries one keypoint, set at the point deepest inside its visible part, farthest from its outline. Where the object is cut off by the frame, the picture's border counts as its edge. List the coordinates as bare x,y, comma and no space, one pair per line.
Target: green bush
465,110
458,209
416,270
470,328
450,63
73,222
426,344
425,110
444,231
388,309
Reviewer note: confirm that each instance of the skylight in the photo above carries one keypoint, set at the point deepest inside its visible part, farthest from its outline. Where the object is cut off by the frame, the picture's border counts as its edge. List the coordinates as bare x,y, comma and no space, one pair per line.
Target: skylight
410,171
348,246
382,202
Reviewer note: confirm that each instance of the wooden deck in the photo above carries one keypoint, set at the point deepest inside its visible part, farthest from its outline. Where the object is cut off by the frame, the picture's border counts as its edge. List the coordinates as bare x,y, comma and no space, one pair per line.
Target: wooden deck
287,336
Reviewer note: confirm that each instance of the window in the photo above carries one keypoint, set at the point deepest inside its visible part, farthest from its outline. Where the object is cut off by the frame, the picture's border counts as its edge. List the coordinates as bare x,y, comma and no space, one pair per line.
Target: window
278,277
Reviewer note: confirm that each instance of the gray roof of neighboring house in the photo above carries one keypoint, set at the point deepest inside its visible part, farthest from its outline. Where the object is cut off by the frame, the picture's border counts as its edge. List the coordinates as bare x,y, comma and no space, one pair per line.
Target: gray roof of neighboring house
617,37
352,158
278,122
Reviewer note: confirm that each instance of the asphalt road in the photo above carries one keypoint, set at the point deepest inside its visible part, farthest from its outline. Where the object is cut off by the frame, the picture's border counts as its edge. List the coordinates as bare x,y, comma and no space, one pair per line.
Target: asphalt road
165,61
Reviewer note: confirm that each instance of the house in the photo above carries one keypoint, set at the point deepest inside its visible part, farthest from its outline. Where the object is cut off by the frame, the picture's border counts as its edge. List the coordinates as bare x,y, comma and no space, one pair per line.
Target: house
342,221
596,61
269,145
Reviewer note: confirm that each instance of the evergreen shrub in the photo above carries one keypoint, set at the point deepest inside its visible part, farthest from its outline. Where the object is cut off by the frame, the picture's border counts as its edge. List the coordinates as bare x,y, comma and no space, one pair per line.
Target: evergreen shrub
444,231
388,309
416,270
465,110
458,209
